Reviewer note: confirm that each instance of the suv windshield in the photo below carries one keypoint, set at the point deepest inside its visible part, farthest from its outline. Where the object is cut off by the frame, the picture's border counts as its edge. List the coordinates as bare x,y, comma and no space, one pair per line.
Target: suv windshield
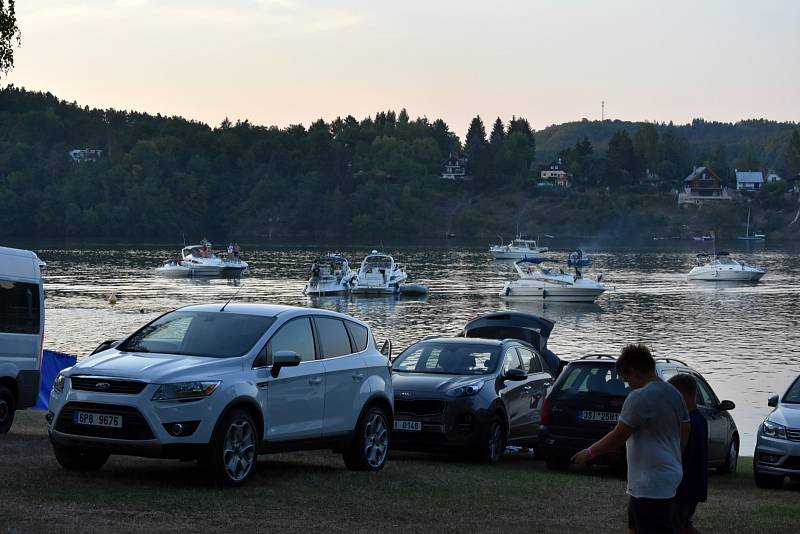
211,334
594,379
448,359
793,395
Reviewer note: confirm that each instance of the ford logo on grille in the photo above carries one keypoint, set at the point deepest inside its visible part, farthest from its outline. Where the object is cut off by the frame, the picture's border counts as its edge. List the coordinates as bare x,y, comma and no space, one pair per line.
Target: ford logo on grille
102,385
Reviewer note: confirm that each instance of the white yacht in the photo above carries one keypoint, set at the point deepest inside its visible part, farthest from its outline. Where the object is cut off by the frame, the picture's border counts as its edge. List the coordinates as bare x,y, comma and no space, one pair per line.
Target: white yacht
174,269
378,274
551,285
517,249
330,275
202,261
725,269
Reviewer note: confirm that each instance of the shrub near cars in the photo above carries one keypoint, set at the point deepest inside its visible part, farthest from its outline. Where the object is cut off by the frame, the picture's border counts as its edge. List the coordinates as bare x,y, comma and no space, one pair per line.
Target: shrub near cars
586,400
777,452
221,385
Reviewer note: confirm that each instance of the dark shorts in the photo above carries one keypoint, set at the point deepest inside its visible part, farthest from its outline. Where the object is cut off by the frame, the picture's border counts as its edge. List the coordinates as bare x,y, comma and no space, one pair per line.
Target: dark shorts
682,513
650,516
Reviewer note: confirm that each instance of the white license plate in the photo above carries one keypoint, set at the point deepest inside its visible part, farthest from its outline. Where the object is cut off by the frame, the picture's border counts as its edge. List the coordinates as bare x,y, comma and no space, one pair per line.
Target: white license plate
408,426
97,419
604,417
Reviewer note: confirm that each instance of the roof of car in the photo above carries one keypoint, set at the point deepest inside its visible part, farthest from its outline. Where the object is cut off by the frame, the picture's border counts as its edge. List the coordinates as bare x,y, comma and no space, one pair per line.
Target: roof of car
610,360
466,340
266,310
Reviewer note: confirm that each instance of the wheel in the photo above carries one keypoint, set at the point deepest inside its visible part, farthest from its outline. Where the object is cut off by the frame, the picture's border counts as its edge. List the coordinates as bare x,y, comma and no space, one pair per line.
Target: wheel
557,462
7,407
370,446
76,459
492,443
732,460
231,456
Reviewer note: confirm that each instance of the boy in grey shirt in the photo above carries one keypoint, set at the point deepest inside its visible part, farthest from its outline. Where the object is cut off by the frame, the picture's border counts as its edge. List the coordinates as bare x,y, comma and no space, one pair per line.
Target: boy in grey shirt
654,425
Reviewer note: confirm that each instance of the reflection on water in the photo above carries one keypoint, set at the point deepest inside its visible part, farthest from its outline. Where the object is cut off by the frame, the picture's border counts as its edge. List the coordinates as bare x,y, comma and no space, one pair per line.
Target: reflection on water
742,337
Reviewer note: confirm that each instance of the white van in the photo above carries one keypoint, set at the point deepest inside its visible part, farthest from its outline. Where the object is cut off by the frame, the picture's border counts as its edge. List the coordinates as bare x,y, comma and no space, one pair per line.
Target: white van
21,332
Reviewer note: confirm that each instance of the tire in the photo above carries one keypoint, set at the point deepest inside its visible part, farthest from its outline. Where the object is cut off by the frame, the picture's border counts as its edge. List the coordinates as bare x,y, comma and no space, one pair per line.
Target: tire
76,459
731,460
369,448
492,443
557,462
231,456
7,407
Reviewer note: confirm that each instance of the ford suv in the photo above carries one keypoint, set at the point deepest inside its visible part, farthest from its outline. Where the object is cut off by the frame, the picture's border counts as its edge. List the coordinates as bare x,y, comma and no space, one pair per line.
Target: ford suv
221,384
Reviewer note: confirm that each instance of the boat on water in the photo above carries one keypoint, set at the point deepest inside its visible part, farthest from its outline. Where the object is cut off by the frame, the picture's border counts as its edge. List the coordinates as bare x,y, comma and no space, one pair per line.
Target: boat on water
577,258
538,283
748,236
201,260
174,269
724,269
517,249
330,275
706,237
378,274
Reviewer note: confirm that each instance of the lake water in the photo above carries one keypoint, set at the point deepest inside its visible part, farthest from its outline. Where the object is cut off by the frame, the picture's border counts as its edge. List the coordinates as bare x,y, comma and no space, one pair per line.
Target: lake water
744,339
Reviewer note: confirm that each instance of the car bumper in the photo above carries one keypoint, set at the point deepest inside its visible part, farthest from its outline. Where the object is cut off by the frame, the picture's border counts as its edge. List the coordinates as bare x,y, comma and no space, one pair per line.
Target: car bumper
774,456
459,426
556,442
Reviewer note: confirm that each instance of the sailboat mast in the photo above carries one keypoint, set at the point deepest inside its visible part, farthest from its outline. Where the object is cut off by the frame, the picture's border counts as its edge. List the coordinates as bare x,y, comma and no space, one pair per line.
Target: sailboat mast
747,234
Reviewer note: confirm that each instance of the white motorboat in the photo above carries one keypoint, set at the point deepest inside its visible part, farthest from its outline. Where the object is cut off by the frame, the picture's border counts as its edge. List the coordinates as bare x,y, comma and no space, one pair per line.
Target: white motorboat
202,261
725,269
378,274
174,269
551,285
517,249
330,275
234,265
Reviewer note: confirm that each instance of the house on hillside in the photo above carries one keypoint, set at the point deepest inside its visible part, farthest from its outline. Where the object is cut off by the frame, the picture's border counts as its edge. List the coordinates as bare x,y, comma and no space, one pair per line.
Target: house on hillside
455,168
749,180
701,185
556,174
772,177
85,154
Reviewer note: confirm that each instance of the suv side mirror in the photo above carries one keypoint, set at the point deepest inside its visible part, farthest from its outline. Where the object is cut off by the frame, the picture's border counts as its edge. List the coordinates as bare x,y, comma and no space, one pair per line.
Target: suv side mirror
515,374
773,401
386,349
105,345
726,405
284,358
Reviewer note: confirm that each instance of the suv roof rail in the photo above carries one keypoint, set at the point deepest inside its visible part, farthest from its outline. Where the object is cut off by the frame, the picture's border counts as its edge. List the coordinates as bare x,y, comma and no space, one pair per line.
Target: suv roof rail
597,357
671,360
433,336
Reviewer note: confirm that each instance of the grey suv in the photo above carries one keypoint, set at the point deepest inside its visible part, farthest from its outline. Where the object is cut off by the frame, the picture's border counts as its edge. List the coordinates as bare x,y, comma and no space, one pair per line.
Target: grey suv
778,447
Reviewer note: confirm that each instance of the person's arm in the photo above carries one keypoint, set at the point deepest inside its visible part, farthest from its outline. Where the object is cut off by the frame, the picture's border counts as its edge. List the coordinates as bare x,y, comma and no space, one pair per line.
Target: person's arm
685,429
609,443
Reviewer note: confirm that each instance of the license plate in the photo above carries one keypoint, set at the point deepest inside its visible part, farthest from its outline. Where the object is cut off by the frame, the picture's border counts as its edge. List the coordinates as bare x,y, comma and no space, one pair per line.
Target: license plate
408,426
603,417
97,419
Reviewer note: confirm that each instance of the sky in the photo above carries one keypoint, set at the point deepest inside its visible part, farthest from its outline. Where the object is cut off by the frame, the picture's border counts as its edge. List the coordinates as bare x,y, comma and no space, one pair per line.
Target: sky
281,62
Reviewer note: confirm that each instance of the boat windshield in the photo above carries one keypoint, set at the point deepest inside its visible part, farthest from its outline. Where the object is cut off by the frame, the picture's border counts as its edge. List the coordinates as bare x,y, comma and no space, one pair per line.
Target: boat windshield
191,333
378,262
724,261
448,358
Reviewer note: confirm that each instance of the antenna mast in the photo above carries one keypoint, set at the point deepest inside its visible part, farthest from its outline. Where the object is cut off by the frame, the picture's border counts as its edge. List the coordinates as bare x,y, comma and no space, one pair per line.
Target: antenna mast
602,110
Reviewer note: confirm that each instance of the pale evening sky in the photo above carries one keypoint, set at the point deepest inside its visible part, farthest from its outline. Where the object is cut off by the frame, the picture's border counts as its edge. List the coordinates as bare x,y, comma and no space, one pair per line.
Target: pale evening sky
292,61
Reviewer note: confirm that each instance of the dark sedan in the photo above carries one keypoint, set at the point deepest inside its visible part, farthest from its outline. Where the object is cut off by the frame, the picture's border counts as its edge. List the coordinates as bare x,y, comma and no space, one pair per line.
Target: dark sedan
473,395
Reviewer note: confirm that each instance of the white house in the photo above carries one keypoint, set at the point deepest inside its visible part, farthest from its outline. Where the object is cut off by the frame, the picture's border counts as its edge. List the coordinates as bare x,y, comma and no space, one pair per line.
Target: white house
772,177
749,180
86,154
455,168
555,174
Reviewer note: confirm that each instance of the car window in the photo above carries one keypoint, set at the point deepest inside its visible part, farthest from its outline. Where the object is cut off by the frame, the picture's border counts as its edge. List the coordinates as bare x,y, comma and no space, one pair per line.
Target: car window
448,358
512,361
792,396
19,307
297,336
601,379
530,361
333,337
705,396
359,336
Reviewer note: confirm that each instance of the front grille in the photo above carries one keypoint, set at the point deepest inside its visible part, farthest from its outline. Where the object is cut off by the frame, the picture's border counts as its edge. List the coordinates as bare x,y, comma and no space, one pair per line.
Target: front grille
134,425
793,434
131,387
421,407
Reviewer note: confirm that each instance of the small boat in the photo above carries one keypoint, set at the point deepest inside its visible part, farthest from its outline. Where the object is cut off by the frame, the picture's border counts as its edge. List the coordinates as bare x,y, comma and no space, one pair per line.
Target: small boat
551,285
174,269
330,275
378,274
412,290
577,258
201,260
235,265
747,235
517,249
706,237
725,269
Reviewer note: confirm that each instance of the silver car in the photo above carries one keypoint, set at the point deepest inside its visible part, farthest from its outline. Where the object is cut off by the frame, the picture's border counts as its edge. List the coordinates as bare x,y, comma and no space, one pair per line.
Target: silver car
778,447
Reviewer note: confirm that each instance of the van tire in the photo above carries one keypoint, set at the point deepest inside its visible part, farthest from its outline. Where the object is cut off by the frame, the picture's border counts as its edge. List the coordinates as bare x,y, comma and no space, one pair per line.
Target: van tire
76,459
369,448
7,407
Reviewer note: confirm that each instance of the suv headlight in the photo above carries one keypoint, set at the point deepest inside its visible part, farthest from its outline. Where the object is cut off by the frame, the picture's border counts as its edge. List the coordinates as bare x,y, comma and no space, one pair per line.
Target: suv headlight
58,383
466,390
773,430
185,390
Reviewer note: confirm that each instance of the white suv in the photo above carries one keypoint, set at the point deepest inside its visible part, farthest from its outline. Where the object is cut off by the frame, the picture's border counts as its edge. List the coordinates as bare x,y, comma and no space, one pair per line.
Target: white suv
221,384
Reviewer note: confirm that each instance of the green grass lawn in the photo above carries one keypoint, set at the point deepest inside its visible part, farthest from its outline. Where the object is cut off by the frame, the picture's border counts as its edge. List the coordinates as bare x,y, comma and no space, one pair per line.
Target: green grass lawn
312,491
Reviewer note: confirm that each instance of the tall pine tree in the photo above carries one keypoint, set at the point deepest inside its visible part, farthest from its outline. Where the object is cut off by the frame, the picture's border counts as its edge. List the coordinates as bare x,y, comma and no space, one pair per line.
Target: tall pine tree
477,150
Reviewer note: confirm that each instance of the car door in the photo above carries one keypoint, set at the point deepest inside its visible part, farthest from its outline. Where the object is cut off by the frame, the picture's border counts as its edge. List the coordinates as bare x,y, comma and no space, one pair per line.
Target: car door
535,390
294,407
514,395
708,405
344,376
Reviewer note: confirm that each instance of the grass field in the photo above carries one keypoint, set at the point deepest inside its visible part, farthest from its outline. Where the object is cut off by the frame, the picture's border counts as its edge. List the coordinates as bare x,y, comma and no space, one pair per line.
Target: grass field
313,492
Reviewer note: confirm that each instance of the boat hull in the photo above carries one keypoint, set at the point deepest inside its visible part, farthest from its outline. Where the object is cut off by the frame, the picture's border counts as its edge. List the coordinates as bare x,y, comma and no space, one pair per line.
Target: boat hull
727,276
546,292
322,290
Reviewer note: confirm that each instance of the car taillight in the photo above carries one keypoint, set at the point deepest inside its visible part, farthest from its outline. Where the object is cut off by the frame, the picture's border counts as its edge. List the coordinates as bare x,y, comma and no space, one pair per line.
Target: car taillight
545,419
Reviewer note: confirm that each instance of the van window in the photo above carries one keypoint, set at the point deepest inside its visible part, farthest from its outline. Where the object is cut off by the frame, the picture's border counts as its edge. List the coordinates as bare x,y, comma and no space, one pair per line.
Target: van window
19,307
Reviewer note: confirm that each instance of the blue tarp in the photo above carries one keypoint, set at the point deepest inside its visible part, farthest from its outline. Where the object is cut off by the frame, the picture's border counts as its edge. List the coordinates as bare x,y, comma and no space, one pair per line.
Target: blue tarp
52,363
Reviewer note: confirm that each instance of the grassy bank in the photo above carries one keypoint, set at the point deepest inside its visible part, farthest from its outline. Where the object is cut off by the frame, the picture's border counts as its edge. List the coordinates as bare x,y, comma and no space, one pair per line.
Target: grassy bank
314,492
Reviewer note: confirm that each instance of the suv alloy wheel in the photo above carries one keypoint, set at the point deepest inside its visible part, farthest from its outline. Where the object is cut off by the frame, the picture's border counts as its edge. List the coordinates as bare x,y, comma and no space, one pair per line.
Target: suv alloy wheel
370,446
231,457
493,443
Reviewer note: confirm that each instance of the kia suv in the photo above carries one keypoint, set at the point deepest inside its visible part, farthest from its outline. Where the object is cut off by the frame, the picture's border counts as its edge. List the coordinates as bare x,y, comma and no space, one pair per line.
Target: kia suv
221,384
778,447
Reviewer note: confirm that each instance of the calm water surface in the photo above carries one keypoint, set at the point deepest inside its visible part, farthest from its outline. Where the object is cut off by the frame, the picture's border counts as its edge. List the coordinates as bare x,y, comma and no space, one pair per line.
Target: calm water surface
744,339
